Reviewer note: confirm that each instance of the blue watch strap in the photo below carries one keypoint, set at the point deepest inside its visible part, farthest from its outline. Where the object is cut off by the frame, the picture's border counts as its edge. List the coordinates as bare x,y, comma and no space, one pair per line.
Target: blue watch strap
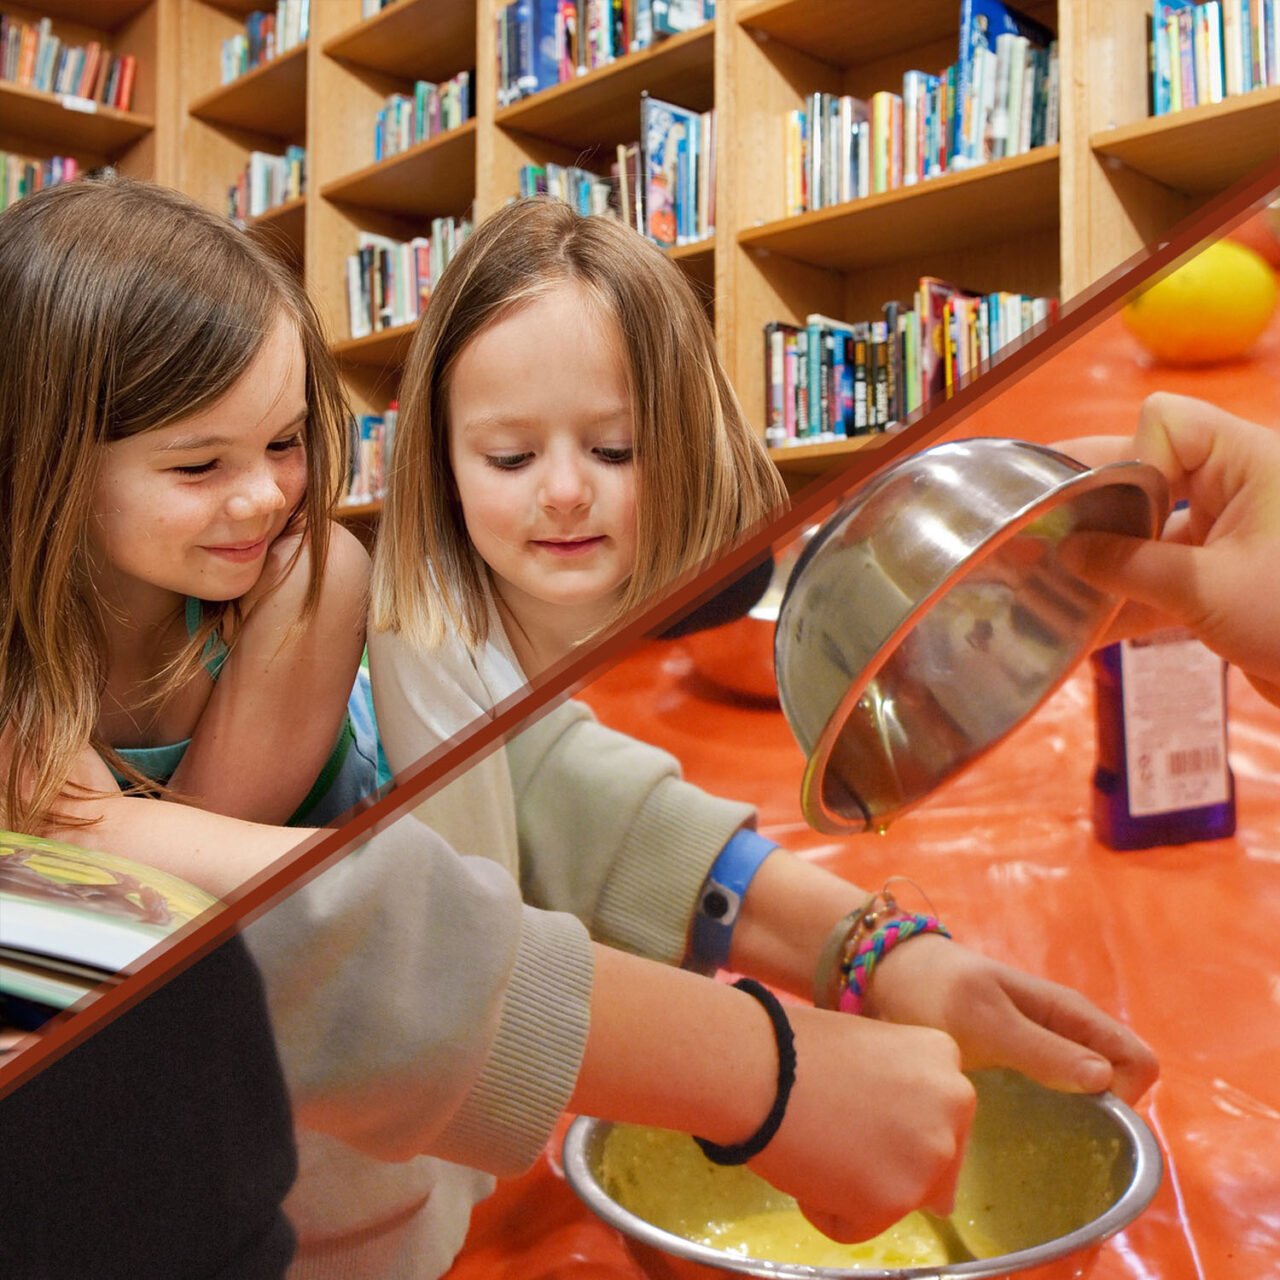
721,898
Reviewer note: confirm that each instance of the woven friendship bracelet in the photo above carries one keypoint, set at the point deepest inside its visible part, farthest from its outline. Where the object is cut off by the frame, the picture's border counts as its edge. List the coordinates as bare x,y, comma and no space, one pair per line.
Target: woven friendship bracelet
842,945
857,971
741,1152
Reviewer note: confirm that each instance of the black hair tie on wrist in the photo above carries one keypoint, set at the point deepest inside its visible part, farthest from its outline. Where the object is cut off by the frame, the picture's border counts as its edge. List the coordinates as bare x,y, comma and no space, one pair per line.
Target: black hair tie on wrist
744,1151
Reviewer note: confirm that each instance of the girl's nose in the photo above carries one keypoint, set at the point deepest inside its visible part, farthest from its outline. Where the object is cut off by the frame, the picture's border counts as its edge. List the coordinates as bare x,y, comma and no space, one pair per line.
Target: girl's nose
565,485
259,493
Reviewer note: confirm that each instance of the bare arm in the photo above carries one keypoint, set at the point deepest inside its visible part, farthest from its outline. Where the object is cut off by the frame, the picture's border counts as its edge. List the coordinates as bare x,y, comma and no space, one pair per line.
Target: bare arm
280,699
213,852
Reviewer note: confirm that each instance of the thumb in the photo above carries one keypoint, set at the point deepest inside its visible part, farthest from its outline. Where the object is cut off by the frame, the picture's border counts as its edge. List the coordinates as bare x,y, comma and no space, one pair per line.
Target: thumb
1160,575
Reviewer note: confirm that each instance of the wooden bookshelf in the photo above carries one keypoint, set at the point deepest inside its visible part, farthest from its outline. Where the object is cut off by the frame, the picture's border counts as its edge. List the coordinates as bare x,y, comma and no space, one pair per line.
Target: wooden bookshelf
385,349
434,177
105,14
271,99
1052,221
1203,149
602,108
1002,199
416,39
140,141
70,123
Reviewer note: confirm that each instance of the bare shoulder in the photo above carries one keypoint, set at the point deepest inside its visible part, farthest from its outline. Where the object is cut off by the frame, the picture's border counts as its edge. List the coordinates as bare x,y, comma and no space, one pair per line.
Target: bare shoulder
286,575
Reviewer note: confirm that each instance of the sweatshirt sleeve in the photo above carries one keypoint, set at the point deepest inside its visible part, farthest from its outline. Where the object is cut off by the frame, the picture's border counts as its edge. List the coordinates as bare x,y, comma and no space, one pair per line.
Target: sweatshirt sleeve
609,831
421,1008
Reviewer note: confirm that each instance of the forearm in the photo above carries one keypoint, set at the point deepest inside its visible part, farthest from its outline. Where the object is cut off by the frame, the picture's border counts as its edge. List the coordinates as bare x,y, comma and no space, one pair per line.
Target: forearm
657,1050
212,852
788,911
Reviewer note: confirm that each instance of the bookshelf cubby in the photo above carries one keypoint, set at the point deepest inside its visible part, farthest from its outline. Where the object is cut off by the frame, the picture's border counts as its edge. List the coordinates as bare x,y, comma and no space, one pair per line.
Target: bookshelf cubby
38,124
1049,222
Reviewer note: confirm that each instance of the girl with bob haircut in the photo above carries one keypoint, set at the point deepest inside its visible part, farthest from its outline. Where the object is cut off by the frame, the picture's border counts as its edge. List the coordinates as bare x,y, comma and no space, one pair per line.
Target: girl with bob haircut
701,475
175,601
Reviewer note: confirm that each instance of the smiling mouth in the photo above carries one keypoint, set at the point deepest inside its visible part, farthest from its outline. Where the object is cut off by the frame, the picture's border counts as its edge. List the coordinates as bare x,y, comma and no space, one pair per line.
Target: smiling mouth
239,550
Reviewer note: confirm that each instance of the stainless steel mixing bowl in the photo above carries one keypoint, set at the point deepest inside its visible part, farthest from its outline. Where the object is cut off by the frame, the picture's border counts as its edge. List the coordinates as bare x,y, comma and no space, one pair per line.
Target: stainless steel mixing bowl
931,614
1047,1177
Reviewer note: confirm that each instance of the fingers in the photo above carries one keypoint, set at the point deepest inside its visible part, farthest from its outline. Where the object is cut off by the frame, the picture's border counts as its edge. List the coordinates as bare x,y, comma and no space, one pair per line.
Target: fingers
1098,451
1161,576
1064,1041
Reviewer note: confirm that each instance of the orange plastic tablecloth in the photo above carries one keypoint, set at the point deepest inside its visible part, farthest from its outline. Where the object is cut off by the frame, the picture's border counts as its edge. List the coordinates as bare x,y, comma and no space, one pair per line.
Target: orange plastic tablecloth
1183,943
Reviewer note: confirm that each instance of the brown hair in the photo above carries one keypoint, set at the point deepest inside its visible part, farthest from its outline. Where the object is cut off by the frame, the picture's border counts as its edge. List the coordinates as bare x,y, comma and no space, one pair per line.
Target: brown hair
126,307
702,474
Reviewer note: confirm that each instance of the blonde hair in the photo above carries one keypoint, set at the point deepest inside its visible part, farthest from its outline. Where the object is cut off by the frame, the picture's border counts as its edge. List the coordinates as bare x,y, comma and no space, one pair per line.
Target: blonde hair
703,476
126,307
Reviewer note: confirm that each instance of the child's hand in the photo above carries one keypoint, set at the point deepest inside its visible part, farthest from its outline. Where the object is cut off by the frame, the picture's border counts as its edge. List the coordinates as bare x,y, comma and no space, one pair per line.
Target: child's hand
1003,1017
876,1125
1209,568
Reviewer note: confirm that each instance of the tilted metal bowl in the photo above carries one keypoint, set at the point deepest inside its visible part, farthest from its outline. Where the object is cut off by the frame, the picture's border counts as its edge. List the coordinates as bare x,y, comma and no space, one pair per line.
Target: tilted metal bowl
1046,1178
931,614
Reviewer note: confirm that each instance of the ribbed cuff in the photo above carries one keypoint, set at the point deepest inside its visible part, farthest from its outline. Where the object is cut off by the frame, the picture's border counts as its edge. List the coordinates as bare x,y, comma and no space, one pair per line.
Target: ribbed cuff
650,896
531,1071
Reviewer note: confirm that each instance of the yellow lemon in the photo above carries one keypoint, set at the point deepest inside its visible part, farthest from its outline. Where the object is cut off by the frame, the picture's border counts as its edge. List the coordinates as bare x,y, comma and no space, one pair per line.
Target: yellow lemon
1211,308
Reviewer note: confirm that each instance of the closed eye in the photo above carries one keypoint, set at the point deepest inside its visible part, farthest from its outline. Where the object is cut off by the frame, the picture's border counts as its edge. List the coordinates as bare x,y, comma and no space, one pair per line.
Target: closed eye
283,446
196,469
507,461
614,457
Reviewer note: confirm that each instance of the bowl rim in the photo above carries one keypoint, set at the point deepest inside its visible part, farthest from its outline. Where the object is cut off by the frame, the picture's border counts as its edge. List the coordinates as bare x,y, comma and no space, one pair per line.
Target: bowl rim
1144,1182
1129,474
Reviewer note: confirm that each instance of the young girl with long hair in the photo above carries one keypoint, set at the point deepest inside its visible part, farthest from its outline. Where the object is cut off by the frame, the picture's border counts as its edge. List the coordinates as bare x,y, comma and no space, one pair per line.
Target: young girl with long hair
175,601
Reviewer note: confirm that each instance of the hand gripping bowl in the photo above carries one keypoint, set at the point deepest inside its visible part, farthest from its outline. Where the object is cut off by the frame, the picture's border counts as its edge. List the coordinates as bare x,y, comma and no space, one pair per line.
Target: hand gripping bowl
1046,1178
930,615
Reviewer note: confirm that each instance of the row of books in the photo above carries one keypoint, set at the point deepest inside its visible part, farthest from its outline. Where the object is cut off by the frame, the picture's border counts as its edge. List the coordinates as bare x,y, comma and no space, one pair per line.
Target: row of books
1207,52
541,43
266,35
840,147
389,282
267,181
829,379
662,186
587,192
429,110
32,56
372,436
996,43
21,175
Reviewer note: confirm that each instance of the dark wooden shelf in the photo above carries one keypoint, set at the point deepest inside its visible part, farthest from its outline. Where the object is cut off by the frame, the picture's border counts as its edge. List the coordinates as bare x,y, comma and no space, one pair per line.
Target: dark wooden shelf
270,99
432,178
1203,149
979,205
45,117
602,108
421,39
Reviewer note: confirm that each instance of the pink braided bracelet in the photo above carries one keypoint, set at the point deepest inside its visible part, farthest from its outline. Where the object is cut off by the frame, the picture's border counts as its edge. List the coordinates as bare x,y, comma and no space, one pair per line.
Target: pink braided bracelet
856,973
